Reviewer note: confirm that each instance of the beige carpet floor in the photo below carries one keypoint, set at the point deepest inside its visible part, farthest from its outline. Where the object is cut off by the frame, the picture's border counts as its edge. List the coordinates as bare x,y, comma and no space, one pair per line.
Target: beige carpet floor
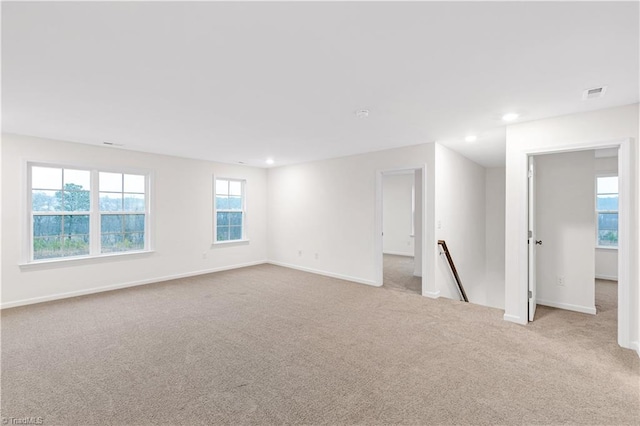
269,345
398,274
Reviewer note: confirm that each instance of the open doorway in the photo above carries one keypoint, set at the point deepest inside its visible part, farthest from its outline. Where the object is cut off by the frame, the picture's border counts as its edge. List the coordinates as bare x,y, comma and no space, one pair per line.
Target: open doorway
398,232
573,219
401,251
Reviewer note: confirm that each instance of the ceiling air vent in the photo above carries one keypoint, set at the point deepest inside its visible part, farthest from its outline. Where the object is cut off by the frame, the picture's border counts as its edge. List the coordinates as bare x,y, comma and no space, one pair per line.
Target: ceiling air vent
596,92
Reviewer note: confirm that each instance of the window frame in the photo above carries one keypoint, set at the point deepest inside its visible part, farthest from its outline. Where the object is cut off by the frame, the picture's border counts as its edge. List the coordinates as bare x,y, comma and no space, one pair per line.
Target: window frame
597,211
94,213
243,184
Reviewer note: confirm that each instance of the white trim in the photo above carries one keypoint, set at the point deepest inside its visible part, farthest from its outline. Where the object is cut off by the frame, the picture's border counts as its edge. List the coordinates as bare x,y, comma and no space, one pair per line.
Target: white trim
635,346
124,285
568,306
625,181
514,318
325,273
398,253
432,294
606,277
606,248
227,242
87,259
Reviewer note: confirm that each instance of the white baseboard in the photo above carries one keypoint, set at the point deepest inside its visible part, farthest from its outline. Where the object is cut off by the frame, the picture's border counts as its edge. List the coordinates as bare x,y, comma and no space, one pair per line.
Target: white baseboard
432,294
398,253
325,273
635,346
514,318
568,306
87,291
606,277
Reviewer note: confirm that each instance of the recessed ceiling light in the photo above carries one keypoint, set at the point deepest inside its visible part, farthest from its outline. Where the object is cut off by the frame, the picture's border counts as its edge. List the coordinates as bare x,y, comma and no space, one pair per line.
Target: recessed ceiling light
362,113
510,116
269,161
471,138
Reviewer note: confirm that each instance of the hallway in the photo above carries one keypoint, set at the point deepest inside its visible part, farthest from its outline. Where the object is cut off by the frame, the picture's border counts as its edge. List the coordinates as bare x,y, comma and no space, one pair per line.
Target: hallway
398,274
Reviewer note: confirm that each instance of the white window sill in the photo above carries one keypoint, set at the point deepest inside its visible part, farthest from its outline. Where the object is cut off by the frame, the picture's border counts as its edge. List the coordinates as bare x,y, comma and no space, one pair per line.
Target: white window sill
606,248
69,261
230,242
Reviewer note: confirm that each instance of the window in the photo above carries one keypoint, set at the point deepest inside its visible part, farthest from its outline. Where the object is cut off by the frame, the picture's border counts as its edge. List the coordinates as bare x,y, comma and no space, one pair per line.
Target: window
61,210
229,208
82,212
607,211
122,212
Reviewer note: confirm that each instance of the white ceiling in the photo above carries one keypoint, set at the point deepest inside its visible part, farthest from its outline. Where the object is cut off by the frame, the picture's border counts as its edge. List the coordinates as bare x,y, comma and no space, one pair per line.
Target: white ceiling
243,81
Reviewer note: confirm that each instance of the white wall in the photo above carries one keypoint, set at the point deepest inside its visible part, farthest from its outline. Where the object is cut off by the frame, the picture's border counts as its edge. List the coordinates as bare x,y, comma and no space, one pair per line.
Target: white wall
182,229
607,258
494,236
565,222
561,133
397,214
460,221
328,208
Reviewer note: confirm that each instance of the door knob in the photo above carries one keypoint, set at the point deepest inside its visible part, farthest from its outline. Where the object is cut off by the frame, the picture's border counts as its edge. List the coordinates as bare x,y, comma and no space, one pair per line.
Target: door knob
539,242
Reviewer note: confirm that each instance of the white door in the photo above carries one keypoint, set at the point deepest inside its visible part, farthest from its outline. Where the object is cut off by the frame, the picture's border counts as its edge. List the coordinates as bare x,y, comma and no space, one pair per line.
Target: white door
533,243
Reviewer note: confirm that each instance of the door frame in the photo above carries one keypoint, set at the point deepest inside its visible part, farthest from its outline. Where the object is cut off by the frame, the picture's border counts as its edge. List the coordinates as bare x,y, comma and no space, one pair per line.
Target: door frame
428,247
625,304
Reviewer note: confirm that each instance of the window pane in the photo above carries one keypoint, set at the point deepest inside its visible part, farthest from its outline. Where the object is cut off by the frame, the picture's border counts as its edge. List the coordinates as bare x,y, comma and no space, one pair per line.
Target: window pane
235,233
222,202
608,221
76,224
222,219
75,245
112,243
608,238
235,219
133,241
607,185
46,178
134,223
47,225
110,223
222,187
110,202
134,183
47,247
607,202
77,179
223,233
235,203
134,202
235,188
45,201
111,182
75,201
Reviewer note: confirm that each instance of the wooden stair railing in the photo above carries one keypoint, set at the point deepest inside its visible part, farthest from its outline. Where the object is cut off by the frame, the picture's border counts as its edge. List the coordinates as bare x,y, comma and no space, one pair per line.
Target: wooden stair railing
453,269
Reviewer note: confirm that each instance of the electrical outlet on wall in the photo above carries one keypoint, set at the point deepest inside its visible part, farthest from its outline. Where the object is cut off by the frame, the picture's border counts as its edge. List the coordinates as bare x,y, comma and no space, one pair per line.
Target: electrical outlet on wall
561,280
